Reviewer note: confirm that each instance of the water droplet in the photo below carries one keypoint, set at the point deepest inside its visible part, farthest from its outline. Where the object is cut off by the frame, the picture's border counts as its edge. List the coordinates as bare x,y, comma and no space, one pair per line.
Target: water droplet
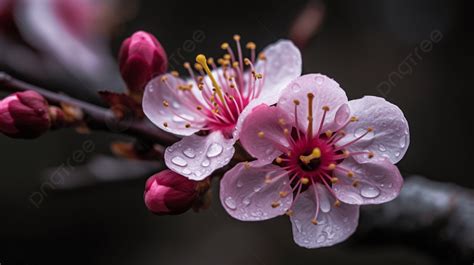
397,154
321,238
359,132
186,171
239,184
214,150
179,161
175,104
230,203
403,141
324,204
205,163
189,152
269,151
298,225
257,188
319,80
246,201
177,119
382,148
369,191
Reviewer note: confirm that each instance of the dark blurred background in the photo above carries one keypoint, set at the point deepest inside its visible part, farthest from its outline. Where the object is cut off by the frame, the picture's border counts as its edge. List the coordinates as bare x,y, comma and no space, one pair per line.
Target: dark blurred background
361,44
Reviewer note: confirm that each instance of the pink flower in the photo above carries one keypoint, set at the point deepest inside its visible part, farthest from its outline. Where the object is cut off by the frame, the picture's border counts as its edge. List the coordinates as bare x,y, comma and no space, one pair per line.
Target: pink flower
169,193
24,115
141,58
217,103
318,158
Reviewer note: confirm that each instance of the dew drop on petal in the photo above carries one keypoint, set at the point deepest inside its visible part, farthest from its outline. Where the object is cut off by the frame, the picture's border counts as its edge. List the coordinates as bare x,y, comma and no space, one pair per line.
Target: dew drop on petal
257,188
239,184
369,191
230,203
382,148
186,171
205,163
246,201
214,150
397,154
319,80
324,204
189,152
179,161
298,225
403,141
321,238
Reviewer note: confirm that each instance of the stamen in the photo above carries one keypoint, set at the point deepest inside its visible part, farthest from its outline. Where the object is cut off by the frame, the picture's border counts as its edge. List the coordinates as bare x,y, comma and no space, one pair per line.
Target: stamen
261,134
275,204
316,153
201,59
304,181
310,115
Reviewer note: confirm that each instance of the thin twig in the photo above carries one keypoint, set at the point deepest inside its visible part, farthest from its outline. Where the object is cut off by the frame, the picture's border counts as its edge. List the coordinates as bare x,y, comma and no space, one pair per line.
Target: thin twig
97,118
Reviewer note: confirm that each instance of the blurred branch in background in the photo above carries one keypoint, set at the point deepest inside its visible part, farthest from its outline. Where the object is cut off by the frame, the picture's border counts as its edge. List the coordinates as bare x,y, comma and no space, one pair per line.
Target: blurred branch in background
307,23
430,216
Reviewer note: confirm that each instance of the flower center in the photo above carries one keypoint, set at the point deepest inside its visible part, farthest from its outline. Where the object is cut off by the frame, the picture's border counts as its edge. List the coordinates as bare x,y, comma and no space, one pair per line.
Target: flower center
313,158
224,92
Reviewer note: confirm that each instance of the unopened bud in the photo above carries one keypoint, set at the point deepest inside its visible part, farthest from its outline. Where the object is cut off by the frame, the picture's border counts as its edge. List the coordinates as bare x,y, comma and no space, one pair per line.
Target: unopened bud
167,192
24,115
141,58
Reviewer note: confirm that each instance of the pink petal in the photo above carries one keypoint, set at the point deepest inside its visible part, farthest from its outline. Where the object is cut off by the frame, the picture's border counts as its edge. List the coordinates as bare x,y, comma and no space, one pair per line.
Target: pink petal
342,116
43,27
326,93
267,121
379,182
196,157
246,196
179,111
282,65
335,224
390,137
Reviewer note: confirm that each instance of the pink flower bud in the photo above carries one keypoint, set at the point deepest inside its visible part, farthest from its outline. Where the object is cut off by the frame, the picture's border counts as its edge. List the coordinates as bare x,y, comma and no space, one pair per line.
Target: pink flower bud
24,115
141,58
167,192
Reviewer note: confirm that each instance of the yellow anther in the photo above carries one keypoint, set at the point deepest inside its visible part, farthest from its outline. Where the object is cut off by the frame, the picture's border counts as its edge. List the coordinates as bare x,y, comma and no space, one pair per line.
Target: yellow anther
268,180
210,61
166,104
334,180
187,125
332,166
201,59
288,153
328,133
304,181
262,56
227,57
236,37
370,129
278,160
275,204
246,165
175,73
326,108
316,153
185,87
286,131
187,65
251,45
346,153
261,134
235,64
289,212
314,221
370,155
198,67
337,203
199,107
164,78
165,124
281,121
354,119
296,102
350,173
224,46
355,183
283,194
246,61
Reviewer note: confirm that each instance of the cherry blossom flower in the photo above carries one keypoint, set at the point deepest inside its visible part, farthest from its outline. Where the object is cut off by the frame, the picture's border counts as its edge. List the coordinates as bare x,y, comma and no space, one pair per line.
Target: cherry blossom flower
216,100
319,156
